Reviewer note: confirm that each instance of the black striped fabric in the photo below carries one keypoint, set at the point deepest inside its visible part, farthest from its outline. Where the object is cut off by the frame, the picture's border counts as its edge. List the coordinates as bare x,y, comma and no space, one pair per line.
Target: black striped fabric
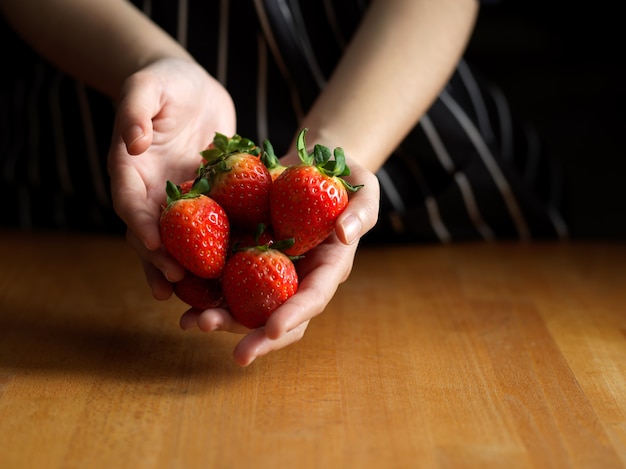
467,171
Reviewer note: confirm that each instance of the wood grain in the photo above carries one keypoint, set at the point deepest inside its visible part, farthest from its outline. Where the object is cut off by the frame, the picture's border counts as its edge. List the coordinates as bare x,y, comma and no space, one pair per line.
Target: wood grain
462,356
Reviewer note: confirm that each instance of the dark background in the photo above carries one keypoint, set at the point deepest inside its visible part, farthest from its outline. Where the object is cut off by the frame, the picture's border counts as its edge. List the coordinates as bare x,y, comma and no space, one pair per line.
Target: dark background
562,66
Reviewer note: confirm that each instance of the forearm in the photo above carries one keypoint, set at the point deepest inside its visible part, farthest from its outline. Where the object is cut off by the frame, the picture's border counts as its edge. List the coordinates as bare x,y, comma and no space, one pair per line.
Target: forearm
99,42
396,65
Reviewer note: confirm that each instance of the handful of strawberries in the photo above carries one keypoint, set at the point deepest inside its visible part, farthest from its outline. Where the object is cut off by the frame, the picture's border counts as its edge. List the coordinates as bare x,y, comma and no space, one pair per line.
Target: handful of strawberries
242,223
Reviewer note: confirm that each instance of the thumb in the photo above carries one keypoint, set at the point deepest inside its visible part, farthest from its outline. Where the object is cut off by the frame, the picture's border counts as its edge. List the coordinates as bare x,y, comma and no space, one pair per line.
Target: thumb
138,105
361,214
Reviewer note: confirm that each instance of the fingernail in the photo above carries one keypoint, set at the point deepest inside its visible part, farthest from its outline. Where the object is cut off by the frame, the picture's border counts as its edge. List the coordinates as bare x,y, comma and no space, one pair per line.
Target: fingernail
173,274
351,226
133,134
168,276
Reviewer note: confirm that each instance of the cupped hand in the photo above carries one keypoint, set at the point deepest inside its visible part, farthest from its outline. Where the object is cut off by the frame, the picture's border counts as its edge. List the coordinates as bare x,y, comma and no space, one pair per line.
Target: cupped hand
167,113
321,271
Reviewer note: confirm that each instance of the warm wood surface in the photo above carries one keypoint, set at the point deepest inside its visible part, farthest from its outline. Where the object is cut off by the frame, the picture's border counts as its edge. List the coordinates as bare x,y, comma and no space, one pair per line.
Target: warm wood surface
474,356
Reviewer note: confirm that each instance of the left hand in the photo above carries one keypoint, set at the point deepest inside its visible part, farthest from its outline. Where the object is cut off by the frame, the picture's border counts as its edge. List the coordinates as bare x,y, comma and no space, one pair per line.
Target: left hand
168,112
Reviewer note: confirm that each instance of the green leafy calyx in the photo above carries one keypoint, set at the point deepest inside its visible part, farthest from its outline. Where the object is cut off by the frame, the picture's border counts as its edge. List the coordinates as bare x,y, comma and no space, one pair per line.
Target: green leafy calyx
268,156
224,146
330,164
200,187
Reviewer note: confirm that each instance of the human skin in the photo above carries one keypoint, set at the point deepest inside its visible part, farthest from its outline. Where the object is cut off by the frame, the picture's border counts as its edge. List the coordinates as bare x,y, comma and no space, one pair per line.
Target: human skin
168,108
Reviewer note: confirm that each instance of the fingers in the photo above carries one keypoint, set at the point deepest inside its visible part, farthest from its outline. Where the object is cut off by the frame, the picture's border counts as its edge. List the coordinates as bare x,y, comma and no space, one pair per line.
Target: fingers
210,320
321,274
137,137
131,203
301,308
161,288
137,106
172,271
256,344
160,269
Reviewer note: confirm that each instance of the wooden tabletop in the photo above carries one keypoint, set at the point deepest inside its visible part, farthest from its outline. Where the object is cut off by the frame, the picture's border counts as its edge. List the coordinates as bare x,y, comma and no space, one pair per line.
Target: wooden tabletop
461,356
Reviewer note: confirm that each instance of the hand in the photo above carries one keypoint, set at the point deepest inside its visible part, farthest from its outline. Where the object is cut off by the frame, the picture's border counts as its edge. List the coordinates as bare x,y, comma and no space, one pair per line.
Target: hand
321,272
167,113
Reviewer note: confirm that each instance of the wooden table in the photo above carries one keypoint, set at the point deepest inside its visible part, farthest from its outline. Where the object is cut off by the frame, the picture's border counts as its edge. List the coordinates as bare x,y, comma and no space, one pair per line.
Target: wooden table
463,356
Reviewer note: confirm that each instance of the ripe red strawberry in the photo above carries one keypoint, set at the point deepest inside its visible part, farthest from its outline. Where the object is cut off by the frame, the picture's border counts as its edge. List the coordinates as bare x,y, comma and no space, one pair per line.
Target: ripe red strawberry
306,199
238,179
199,293
195,230
257,280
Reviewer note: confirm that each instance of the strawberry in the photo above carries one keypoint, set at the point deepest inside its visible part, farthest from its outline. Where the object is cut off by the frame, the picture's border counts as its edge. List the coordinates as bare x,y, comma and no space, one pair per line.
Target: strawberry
238,179
306,199
257,280
197,292
271,161
195,230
